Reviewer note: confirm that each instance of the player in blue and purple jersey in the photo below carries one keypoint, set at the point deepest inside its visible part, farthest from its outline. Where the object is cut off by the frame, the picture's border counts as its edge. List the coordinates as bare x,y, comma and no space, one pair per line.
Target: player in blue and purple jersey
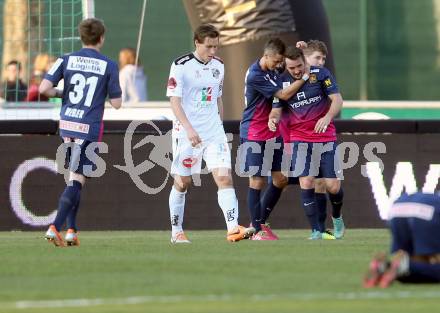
260,150
414,221
89,77
315,53
312,134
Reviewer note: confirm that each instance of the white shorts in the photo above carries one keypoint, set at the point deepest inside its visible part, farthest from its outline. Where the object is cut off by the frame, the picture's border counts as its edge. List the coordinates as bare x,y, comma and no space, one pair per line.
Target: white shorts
187,160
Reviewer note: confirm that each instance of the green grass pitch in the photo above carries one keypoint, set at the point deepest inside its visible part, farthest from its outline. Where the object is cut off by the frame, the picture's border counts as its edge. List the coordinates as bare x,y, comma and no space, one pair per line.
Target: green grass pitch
142,272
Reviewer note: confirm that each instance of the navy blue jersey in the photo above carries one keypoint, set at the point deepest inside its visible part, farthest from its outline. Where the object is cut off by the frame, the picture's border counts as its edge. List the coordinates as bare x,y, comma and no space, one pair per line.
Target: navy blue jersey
415,223
260,88
88,77
417,205
308,105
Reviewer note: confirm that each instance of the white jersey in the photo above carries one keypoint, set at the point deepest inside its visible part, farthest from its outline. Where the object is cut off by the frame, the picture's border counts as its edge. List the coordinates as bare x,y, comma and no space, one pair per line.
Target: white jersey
198,85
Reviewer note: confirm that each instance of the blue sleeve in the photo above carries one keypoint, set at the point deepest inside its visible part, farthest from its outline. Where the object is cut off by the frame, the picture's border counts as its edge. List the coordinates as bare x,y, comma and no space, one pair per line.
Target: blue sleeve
264,84
328,82
114,88
55,73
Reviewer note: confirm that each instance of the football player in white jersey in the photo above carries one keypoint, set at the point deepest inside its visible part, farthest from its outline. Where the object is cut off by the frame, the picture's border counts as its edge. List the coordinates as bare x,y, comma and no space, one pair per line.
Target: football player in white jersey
195,90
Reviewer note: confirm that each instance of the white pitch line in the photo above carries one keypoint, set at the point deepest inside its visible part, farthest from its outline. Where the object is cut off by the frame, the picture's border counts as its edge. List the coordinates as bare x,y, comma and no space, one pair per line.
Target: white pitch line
348,296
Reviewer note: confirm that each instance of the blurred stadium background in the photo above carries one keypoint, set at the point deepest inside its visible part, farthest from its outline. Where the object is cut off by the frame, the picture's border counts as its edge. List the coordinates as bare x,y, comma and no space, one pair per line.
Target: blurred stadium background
383,50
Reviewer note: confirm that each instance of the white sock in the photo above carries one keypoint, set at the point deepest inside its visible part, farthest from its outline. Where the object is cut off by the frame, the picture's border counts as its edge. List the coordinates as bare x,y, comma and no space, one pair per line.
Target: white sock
177,209
229,204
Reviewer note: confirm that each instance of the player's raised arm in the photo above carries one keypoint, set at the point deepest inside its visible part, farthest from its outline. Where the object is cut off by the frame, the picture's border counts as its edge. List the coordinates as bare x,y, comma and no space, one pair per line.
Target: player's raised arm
287,92
301,45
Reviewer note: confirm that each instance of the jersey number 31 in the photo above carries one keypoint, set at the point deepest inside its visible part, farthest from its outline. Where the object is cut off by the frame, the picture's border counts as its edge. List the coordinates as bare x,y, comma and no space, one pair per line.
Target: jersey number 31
80,83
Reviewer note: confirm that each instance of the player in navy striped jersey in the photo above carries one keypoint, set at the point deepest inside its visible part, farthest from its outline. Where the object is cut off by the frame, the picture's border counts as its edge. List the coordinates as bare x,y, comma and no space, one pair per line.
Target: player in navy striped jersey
315,53
309,116
89,77
258,143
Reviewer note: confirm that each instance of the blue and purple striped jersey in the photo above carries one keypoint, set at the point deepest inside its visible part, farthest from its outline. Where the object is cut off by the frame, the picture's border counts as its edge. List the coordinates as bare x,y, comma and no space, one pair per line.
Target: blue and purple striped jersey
308,105
260,88
89,77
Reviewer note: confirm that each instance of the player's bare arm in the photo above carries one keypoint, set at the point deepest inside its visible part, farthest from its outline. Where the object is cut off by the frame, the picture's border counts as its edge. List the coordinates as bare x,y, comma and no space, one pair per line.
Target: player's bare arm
335,108
176,107
220,107
274,118
116,103
289,91
47,89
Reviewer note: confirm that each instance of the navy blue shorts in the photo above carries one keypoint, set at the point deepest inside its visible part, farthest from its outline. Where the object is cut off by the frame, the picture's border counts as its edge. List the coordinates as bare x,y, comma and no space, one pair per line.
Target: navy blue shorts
313,159
290,180
415,224
260,158
77,160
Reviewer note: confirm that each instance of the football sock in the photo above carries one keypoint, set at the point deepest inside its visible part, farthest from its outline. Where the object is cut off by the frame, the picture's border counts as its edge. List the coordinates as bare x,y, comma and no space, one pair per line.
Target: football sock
309,205
228,202
66,203
336,201
177,209
71,217
420,272
255,207
270,198
321,206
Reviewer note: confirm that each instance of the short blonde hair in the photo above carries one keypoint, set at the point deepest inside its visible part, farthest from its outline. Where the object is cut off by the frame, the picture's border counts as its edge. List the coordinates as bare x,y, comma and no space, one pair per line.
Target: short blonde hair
42,62
127,56
315,45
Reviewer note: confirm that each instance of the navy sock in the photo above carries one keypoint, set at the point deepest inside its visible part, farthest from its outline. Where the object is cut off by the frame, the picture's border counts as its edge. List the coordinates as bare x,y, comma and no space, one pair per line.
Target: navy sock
255,207
67,202
321,206
336,201
270,198
71,218
309,205
421,272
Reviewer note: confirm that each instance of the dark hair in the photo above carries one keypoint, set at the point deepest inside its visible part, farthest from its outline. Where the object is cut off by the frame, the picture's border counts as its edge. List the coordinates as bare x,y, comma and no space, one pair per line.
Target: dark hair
16,63
91,30
294,53
204,31
316,45
275,46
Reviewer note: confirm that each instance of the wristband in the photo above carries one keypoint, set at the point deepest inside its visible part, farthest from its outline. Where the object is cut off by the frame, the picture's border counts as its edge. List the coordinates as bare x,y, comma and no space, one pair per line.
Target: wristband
305,77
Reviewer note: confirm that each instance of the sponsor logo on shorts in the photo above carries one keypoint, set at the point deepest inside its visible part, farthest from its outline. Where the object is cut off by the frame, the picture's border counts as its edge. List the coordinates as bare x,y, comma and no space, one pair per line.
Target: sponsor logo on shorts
74,126
189,162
